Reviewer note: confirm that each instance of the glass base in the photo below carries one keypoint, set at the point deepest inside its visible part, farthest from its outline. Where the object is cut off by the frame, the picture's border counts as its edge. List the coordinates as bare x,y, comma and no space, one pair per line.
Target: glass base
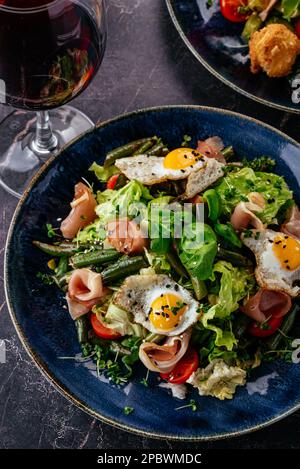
19,159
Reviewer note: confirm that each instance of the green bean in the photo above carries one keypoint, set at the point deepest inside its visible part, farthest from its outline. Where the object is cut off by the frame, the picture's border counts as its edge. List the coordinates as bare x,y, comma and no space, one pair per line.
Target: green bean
142,150
273,342
199,288
125,150
235,258
62,268
65,250
122,268
175,262
228,153
82,327
156,149
94,258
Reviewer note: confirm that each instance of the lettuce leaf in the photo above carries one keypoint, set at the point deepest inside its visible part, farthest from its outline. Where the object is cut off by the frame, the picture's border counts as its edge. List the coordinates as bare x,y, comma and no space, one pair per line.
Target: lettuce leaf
235,284
237,185
130,201
290,8
198,256
103,174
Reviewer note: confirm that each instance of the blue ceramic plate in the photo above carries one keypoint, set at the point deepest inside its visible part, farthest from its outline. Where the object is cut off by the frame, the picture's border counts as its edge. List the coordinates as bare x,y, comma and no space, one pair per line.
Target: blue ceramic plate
47,331
216,43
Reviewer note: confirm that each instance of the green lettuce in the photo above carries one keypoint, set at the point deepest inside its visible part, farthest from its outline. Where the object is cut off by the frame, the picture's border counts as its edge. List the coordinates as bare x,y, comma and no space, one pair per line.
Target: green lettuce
235,187
131,200
235,284
290,8
103,174
198,256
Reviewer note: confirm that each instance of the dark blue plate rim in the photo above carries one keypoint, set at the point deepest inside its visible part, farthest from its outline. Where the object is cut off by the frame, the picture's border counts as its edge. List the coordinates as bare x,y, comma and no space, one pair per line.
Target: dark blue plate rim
41,365
214,72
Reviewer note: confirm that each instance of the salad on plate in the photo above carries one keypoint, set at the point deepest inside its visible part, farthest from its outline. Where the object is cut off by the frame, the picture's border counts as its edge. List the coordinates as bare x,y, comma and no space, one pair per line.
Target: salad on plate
186,260
272,28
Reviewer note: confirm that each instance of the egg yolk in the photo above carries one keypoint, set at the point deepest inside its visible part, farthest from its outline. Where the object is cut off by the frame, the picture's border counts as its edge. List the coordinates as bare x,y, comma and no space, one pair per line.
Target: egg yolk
181,158
287,251
166,311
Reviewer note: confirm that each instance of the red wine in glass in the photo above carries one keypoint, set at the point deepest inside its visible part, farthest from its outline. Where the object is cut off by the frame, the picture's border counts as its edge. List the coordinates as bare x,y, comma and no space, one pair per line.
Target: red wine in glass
50,50
50,55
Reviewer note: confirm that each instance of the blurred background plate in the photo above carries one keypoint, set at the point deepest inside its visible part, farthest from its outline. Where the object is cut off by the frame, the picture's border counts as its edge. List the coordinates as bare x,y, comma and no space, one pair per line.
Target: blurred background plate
216,43
46,329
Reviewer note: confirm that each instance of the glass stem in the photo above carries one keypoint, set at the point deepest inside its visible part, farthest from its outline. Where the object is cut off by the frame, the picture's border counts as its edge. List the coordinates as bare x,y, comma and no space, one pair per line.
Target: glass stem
45,142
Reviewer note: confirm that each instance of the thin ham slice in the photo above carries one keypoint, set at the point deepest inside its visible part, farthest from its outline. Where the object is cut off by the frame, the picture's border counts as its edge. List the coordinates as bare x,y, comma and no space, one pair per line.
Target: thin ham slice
265,13
243,216
126,236
292,226
267,303
82,213
84,291
163,358
211,148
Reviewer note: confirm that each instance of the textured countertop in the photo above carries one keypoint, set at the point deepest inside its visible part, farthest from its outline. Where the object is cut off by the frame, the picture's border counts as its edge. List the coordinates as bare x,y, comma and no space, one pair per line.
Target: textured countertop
146,64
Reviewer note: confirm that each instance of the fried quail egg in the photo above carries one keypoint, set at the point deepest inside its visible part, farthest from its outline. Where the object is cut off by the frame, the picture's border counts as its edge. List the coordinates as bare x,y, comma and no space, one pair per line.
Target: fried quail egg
278,260
178,164
158,303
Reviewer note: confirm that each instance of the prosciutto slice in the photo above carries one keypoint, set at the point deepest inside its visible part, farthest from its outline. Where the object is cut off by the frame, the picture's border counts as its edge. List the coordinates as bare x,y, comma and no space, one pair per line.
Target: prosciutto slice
84,291
126,236
265,13
163,358
243,216
211,148
82,213
267,303
292,225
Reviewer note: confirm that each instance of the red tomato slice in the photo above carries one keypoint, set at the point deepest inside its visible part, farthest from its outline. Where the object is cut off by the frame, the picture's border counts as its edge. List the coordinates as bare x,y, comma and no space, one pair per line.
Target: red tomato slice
230,10
111,183
184,368
197,199
268,328
101,330
297,28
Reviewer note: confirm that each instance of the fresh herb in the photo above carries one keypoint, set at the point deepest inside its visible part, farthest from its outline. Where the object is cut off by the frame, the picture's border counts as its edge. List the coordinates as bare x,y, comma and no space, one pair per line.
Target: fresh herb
230,192
51,232
144,381
128,410
264,163
247,233
179,306
186,140
192,404
244,198
45,278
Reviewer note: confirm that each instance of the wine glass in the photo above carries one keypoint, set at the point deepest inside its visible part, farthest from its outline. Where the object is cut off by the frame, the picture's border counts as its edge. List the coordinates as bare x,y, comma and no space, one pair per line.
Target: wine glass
50,50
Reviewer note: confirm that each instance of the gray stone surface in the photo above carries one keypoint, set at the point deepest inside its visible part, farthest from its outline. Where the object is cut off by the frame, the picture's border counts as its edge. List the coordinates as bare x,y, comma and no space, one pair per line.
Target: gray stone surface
146,64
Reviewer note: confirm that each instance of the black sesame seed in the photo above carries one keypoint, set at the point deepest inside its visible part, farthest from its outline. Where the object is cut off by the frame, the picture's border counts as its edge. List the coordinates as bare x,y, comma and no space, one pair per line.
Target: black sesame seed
288,267
278,242
286,261
168,286
182,170
176,288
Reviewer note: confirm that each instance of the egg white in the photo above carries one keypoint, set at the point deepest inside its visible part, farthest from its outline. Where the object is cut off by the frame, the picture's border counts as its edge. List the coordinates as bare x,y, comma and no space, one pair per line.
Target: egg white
138,293
269,273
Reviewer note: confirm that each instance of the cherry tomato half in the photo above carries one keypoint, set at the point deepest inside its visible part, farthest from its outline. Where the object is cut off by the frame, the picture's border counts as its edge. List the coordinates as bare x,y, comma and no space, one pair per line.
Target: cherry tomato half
268,328
101,330
297,28
197,199
230,10
184,368
111,183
